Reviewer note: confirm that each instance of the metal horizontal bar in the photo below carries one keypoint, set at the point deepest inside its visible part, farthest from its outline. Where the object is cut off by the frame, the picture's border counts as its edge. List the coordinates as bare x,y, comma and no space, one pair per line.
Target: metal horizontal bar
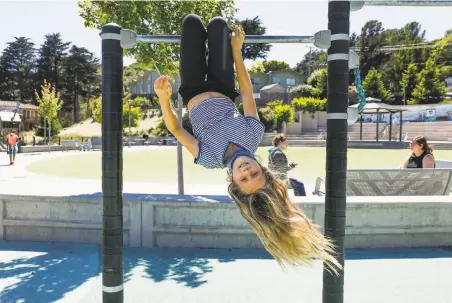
409,3
248,39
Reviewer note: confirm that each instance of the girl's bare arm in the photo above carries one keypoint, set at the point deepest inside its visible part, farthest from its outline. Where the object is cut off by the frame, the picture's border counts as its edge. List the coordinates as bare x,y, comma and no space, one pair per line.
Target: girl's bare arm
246,88
172,123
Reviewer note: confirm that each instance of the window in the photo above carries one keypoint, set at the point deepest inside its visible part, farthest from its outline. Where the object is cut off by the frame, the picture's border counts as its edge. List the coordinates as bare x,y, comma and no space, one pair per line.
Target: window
276,80
290,81
28,114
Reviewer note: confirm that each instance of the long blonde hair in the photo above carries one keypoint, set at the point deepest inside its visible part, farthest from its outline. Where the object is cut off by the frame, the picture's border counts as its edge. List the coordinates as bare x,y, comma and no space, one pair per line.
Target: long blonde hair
285,231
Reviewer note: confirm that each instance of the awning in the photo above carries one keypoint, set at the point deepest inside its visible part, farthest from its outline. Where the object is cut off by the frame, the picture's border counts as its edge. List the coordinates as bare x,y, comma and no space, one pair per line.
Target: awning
9,117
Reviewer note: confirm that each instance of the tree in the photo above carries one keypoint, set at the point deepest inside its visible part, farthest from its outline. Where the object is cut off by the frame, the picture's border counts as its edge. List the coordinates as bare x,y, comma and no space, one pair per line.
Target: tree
313,60
430,89
442,52
153,18
257,67
130,74
16,65
318,80
49,104
409,81
135,115
254,27
96,109
274,65
50,59
448,32
374,86
81,69
369,41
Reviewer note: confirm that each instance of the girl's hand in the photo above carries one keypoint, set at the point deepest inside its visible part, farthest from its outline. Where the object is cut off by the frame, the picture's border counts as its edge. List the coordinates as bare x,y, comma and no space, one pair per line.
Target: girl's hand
237,38
163,88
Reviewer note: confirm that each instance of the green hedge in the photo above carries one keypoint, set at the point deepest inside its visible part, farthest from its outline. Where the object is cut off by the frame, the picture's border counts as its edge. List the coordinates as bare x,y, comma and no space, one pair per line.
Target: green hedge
310,105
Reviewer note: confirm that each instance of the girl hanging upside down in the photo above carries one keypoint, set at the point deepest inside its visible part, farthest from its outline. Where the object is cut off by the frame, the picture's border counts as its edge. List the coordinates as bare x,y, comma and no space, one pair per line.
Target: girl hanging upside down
223,138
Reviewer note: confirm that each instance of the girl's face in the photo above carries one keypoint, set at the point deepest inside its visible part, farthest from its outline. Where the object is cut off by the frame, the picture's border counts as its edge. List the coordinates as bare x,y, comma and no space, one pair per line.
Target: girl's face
416,147
247,174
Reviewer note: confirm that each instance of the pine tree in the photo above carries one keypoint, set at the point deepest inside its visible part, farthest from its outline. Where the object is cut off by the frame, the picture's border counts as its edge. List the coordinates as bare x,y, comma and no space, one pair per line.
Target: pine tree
409,82
80,72
430,88
16,68
374,87
50,59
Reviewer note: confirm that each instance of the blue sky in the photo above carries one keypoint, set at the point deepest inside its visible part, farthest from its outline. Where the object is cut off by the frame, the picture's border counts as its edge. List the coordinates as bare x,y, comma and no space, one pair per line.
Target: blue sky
29,18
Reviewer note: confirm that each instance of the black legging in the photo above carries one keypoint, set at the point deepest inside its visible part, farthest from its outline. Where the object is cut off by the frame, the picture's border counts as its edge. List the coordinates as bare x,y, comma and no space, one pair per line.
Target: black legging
193,65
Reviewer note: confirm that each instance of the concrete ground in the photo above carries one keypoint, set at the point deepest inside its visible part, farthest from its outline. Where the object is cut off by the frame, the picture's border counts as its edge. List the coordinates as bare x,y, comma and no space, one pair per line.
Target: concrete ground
45,272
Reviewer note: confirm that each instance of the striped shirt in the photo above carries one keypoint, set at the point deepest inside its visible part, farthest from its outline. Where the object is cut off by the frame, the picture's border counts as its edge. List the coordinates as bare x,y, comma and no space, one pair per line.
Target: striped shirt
216,124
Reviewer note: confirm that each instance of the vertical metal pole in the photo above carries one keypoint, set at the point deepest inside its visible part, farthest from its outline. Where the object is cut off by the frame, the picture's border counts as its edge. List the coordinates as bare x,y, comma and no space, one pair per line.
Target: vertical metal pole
390,127
378,124
50,134
361,128
112,125
336,143
130,122
400,132
180,160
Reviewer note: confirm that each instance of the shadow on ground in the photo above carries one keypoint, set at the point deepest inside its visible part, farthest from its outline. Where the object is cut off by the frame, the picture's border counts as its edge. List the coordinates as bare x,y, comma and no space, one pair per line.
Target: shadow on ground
184,266
45,272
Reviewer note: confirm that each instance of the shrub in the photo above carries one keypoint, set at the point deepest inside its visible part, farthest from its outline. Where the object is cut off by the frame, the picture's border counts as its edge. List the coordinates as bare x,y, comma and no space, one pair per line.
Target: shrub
318,80
267,117
310,105
274,103
315,77
302,90
284,113
160,129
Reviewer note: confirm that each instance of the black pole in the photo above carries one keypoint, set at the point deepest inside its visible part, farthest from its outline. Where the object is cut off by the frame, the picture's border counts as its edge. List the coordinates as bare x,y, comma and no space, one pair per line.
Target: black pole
361,128
390,127
336,143
400,133
112,124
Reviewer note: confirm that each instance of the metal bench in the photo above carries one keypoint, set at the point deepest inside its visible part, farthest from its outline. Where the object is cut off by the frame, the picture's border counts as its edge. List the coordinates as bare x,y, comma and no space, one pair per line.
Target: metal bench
71,144
395,182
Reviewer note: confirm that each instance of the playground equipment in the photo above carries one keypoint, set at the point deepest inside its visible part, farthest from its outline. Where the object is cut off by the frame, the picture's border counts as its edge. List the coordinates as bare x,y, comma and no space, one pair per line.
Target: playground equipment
340,60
